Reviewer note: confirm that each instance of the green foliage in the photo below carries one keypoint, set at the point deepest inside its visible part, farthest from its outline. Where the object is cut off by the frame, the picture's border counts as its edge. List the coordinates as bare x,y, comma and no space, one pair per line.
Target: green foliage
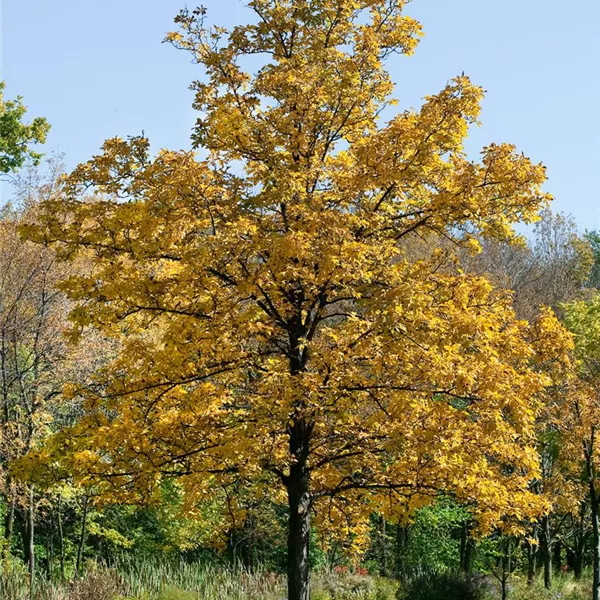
593,239
434,538
173,593
17,137
582,318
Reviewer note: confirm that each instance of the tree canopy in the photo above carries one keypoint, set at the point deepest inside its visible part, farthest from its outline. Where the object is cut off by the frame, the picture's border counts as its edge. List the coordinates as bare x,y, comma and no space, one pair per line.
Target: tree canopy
278,333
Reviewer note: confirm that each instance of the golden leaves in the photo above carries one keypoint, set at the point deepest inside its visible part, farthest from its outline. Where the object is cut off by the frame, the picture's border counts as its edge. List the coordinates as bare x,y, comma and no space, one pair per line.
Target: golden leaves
288,298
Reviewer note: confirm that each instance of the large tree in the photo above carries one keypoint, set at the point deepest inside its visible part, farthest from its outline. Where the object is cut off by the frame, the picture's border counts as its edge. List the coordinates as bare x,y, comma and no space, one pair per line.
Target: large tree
279,334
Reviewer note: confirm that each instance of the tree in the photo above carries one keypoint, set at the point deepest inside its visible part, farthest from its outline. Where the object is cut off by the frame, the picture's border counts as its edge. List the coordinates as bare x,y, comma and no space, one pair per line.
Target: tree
32,355
36,360
593,238
277,334
551,269
17,137
581,419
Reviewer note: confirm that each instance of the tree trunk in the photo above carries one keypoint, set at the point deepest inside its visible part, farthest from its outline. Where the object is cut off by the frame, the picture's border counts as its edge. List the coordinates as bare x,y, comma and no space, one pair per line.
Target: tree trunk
588,450
504,566
557,552
579,545
463,546
401,546
574,562
50,554
595,542
61,539
81,545
466,548
531,562
9,524
505,569
30,542
578,561
298,533
546,540
384,570
247,546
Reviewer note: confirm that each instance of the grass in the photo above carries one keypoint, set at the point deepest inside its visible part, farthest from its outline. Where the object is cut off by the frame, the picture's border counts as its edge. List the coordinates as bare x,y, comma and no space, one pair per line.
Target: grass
163,580
148,581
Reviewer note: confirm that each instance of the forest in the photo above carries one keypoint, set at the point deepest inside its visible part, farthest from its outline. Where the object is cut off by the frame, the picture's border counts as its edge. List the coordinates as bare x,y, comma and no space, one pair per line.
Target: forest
323,354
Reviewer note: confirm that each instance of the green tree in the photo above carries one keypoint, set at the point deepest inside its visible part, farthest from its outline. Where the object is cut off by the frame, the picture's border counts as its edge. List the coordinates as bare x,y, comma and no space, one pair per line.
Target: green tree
16,136
593,238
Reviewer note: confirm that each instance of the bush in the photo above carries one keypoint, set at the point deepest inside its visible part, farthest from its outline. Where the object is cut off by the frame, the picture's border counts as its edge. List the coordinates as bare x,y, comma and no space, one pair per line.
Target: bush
351,586
173,593
440,586
101,584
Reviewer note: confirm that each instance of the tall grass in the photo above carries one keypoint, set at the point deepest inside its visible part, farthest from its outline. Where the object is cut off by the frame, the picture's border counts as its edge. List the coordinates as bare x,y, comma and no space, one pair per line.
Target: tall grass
147,580
161,579
150,579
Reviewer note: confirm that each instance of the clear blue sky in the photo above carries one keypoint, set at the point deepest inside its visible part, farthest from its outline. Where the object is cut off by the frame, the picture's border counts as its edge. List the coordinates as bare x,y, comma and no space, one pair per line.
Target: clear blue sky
97,68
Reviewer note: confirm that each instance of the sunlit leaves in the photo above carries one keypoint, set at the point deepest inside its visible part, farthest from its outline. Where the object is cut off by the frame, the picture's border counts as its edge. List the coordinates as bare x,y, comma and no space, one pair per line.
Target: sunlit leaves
273,287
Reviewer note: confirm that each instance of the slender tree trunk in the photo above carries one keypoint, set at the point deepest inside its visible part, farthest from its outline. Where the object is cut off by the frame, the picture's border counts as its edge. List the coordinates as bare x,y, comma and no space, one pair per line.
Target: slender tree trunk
504,588
531,563
574,560
469,556
384,571
247,544
9,523
579,545
557,560
506,566
50,553
595,543
81,545
463,545
30,542
466,547
546,540
61,539
578,561
401,546
504,575
588,450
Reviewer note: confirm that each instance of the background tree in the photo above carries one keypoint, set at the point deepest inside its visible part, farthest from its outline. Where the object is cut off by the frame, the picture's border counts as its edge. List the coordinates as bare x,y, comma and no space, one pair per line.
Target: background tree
17,137
552,268
581,412
36,360
593,238
32,313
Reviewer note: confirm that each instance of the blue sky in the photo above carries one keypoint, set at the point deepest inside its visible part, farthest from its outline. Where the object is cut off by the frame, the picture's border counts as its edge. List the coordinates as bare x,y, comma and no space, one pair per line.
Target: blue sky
97,69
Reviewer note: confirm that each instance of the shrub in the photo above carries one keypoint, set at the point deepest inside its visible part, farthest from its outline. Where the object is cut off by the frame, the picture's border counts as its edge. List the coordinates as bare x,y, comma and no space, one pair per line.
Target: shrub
100,584
341,585
440,586
174,593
